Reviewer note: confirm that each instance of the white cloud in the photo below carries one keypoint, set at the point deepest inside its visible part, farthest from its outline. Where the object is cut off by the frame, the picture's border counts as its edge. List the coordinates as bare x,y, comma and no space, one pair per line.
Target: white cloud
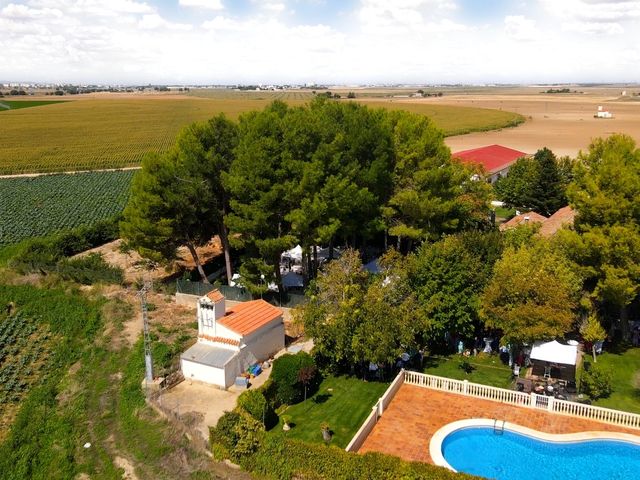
517,27
403,41
599,17
154,21
204,4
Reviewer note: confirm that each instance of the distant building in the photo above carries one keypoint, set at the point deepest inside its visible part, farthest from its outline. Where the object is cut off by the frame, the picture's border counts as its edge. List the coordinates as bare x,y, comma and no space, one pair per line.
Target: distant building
495,159
231,340
602,113
563,217
549,226
529,218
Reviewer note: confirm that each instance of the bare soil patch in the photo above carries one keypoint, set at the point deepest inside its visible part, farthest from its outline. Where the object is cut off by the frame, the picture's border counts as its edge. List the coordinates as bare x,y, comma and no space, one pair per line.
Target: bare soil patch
136,268
564,123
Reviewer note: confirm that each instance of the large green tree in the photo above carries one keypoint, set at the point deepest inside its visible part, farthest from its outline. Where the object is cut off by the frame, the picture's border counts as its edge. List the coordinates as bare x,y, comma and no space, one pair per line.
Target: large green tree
448,277
537,183
432,194
206,151
605,241
178,199
533,295
355,318
167,209
262,181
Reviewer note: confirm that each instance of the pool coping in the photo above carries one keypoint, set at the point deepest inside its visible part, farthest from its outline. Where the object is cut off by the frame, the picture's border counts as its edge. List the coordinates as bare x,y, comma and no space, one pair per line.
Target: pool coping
435,445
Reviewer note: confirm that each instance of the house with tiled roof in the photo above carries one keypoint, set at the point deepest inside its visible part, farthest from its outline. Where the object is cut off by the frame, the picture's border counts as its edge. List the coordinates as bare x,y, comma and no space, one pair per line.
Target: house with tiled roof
563,217
548,226
528,218
495,159
231,339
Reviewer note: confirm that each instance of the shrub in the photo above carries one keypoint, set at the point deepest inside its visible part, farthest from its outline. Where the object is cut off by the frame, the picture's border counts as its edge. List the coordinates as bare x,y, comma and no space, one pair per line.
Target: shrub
286,375
235,436
596,381
88,270
254,402
287,459
45,254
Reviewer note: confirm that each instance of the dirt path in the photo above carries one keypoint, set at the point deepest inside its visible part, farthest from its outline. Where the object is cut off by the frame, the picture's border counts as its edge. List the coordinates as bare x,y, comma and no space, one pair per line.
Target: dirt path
28,175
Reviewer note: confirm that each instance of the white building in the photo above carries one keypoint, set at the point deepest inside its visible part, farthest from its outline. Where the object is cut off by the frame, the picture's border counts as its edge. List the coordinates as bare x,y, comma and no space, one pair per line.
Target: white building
230,340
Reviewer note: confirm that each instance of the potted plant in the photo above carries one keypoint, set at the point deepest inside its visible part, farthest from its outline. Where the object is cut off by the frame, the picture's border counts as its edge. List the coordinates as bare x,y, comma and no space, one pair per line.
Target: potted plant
326,431
286,419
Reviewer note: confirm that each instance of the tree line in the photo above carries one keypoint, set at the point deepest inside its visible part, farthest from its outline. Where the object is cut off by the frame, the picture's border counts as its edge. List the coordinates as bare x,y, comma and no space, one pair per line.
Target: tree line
326,173
516,284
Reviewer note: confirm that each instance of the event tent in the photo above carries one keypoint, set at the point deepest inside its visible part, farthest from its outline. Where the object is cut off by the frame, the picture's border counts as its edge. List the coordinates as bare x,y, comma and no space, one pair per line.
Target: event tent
554,358
554,352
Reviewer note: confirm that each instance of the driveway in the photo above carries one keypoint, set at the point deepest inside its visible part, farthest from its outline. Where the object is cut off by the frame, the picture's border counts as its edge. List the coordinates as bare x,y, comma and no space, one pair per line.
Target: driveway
205,403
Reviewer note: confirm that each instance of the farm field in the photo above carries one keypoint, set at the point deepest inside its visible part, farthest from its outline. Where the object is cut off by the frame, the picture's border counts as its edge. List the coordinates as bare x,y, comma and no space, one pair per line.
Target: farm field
564,123
23,352
97,133
38,206
6,105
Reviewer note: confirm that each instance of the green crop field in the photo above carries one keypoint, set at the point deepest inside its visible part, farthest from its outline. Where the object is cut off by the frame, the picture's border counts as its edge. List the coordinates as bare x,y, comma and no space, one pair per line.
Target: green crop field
23,352
6,105
90,133
38,206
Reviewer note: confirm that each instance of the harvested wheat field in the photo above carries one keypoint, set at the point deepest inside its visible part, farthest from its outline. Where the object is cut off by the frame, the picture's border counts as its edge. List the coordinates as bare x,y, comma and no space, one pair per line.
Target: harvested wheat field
564,123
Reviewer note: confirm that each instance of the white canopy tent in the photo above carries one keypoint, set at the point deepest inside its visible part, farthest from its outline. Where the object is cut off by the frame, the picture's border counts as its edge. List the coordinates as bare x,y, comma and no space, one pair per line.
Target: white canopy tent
294,254
554,352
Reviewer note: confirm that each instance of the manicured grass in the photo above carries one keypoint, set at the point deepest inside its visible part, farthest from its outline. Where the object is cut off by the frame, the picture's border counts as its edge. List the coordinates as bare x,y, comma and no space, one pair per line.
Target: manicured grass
625,370
488,369
17,104
343,402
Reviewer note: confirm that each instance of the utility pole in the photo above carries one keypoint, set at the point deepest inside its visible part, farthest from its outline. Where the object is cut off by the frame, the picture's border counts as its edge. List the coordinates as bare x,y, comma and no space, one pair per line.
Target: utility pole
148,361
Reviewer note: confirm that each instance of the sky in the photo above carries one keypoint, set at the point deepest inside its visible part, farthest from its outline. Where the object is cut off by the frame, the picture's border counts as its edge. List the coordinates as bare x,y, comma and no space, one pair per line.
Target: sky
346,42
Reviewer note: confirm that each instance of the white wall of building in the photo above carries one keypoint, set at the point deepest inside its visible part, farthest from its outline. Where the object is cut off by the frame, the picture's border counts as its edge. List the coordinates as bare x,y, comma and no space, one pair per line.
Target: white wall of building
203,373
267,341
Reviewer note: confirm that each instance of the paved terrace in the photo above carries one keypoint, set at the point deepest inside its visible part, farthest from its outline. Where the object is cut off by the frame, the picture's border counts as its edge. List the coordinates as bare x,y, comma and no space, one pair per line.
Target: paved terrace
416,413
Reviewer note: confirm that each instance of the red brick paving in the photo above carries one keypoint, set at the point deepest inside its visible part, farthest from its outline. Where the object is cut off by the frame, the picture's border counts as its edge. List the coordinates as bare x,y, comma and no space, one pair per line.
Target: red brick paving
416,413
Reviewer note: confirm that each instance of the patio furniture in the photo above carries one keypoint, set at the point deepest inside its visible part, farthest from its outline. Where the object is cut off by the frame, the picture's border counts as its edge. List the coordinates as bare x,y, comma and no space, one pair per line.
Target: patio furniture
524,385
547,372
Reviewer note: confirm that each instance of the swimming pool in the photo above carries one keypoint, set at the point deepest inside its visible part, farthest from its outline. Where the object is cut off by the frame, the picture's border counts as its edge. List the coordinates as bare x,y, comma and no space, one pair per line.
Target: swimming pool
526,454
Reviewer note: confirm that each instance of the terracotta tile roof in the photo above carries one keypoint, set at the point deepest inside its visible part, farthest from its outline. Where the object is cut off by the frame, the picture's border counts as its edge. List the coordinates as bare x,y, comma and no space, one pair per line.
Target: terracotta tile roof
530,217
564,216
215,296
493,157
247,317
228,341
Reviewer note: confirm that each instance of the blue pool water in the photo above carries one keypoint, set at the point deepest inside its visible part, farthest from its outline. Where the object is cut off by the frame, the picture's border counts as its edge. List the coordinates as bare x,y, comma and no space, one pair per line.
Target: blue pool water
509,456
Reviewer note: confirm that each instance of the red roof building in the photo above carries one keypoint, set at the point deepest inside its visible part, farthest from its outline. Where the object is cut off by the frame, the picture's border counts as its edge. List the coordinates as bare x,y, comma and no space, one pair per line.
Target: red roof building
495,159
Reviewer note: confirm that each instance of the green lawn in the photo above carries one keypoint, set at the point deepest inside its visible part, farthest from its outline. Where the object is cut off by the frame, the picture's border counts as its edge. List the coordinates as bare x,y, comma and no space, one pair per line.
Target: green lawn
487,369
342,402
625,368
504,212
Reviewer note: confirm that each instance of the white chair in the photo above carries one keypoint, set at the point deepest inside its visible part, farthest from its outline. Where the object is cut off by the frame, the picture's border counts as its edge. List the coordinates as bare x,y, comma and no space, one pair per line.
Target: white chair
547,372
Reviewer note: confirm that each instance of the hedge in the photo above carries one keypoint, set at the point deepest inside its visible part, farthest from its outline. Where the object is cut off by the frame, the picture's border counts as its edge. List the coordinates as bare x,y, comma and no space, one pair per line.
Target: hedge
294,459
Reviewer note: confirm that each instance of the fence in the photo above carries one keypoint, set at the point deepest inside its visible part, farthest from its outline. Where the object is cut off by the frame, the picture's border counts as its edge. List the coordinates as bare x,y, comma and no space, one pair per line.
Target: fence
376,412
520,399
287,300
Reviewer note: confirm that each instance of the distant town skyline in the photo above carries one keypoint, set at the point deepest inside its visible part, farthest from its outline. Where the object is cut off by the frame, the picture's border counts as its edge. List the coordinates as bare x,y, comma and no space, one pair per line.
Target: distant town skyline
319,41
